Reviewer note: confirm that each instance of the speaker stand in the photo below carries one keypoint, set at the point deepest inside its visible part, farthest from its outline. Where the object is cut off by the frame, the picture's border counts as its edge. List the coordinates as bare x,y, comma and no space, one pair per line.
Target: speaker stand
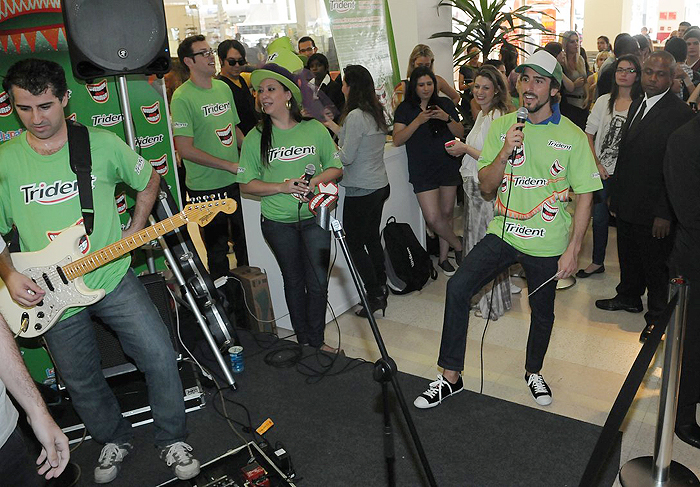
174,266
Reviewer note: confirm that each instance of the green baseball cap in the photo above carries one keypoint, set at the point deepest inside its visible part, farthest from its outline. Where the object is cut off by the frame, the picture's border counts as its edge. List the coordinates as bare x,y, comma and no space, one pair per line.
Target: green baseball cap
544,63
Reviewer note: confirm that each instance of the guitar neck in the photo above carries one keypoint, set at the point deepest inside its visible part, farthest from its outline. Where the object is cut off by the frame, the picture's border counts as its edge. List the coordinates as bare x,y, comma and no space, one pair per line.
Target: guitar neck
97,259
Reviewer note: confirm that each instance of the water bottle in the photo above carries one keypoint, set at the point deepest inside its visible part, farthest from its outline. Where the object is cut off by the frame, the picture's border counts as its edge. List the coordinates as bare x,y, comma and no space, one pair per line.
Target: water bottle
236,356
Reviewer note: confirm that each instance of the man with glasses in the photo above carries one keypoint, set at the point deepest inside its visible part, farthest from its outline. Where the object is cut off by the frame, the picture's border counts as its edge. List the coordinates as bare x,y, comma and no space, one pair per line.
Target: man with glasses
307,46
207,137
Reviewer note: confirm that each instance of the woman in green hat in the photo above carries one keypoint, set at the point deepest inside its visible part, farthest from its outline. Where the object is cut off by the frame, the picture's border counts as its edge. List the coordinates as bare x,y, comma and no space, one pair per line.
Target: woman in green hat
274,158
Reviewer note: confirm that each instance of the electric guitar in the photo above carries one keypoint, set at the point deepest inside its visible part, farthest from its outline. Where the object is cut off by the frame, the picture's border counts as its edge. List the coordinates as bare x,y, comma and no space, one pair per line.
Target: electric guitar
61,278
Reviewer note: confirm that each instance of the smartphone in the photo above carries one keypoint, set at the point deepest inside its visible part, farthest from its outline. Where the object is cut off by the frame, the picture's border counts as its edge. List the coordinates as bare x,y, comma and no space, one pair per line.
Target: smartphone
431,107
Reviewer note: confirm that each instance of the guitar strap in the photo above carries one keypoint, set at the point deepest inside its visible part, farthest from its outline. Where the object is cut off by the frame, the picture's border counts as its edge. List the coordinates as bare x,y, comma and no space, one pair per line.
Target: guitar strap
81,165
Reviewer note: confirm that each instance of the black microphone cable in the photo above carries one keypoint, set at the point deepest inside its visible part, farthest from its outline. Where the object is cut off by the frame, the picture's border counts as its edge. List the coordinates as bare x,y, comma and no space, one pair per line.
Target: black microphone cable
521,118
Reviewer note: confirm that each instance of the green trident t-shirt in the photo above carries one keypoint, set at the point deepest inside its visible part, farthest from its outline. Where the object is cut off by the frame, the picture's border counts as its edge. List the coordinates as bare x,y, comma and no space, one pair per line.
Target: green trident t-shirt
39,195
554,157
308,142
210,117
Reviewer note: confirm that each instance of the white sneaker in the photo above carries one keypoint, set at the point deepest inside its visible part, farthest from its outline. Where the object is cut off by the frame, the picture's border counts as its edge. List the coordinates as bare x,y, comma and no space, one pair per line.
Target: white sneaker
178,457
110,461
539,389
515,289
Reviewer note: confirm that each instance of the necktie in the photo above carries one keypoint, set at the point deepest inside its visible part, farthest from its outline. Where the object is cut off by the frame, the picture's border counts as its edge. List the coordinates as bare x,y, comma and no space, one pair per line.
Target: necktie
638,118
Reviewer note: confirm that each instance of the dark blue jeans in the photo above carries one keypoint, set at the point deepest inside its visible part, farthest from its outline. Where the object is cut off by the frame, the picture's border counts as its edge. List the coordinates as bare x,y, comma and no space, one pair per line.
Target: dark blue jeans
16,466
129,312
302,250
485,261
601,219
362,216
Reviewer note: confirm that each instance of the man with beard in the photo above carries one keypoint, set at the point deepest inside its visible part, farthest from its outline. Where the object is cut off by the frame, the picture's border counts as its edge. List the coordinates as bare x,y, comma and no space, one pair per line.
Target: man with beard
639,199
207,137
531,167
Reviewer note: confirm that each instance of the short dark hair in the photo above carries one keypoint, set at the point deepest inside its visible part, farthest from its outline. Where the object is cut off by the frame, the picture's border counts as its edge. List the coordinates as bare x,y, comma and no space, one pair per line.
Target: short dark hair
684,23
496,63
554,48
678,49
184,50
692,32
319,58
306,39
625,44
642,41
36,76
666,56
226,45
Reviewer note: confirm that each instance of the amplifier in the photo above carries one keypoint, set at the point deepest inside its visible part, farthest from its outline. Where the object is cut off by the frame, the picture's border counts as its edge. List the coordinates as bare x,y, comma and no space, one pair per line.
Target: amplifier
257,298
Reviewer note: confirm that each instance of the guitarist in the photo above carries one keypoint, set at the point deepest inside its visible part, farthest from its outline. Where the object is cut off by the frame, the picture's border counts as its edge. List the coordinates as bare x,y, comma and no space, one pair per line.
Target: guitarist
39,196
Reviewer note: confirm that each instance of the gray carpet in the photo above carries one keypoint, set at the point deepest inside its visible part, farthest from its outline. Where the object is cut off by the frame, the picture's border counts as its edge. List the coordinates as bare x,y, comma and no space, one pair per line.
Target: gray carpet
333,431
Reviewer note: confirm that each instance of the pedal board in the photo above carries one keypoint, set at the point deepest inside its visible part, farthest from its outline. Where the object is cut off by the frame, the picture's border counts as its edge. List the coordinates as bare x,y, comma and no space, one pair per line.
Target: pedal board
233,469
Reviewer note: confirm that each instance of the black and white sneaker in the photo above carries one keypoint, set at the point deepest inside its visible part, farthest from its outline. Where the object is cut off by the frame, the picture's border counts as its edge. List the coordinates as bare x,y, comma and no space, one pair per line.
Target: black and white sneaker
447,268
539,389
178,456
437,392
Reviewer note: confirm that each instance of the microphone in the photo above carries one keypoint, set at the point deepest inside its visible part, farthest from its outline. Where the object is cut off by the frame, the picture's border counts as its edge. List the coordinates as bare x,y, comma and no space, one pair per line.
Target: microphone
309,172
521,117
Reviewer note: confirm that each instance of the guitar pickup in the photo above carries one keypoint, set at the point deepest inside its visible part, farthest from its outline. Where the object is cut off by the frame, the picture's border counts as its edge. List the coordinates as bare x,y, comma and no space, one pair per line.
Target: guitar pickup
47,281
60,273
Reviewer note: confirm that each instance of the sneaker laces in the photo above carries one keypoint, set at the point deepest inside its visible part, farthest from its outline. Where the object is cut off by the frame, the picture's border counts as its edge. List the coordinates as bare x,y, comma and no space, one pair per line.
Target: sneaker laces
111,453
537,383
178,453
435,387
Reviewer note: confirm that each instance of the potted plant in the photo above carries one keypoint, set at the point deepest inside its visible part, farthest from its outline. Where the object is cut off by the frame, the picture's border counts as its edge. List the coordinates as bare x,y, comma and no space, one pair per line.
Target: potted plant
489,27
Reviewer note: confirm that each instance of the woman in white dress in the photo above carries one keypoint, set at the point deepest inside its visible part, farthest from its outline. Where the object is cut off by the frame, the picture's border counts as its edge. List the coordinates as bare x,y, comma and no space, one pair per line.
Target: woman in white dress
491,93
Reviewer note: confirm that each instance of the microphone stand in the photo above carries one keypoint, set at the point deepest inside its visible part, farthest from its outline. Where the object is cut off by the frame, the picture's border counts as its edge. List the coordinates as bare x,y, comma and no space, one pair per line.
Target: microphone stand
384,368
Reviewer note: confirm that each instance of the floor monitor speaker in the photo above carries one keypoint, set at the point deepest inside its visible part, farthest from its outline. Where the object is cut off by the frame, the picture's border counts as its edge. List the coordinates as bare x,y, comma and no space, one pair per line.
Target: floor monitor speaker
116,37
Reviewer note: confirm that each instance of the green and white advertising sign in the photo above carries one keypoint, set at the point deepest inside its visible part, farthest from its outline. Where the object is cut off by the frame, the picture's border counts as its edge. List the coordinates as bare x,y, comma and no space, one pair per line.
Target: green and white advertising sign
363,35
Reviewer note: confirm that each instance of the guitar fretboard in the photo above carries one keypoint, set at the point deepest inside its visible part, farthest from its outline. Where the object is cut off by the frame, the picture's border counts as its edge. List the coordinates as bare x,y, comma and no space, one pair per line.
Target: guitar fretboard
97,259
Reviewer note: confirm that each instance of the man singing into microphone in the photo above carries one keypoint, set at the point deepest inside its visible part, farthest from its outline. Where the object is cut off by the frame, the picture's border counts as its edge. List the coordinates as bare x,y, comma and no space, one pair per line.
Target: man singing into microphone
530,166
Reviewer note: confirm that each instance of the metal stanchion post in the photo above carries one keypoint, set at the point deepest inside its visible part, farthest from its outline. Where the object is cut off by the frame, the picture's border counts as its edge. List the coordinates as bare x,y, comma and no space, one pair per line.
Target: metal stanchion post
660,470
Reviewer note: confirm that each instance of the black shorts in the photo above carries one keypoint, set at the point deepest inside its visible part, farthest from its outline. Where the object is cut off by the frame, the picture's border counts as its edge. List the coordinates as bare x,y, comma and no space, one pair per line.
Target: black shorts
446,174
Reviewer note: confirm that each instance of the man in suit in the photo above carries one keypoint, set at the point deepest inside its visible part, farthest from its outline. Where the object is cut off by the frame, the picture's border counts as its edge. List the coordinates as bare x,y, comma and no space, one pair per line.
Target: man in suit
682,173
638,194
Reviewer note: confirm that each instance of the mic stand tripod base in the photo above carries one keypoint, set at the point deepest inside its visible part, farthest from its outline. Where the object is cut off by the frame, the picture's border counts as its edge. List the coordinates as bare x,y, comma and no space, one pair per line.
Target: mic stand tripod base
639,472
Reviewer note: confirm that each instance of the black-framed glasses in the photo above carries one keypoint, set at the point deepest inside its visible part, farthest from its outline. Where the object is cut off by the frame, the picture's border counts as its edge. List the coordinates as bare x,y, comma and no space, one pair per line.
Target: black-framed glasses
626,70
207,53
233,62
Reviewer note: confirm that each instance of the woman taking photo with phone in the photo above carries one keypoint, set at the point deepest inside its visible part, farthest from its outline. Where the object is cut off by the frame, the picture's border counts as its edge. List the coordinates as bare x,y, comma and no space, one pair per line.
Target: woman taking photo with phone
301,247
361,139
425,122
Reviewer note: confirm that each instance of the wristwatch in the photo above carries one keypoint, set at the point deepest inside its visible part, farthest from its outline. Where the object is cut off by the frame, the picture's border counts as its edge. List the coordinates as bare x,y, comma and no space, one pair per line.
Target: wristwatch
449,118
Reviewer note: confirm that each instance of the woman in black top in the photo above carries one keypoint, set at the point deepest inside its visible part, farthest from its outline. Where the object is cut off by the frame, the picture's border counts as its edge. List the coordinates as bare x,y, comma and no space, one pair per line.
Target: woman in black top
425,122
232,57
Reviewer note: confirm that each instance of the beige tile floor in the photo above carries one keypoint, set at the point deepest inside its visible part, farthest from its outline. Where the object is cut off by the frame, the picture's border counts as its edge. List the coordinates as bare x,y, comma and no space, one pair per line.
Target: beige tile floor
590,353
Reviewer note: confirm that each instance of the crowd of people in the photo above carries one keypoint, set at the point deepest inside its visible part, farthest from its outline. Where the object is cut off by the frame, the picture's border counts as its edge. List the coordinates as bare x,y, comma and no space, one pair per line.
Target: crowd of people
292,128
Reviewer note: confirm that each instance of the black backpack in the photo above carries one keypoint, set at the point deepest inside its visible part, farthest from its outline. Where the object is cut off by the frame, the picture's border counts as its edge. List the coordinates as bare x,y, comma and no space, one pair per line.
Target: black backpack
408,265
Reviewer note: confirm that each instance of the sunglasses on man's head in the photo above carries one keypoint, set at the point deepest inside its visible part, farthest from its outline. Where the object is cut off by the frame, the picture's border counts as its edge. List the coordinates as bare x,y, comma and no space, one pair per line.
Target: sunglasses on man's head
233,62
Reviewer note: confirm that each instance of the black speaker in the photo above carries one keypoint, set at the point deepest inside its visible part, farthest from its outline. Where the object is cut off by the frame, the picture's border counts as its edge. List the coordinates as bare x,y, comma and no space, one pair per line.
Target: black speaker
116,37
114,360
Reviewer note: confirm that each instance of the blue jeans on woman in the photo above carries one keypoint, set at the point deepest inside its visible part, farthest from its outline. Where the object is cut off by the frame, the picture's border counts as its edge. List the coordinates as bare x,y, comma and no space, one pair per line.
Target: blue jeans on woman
302,250
129,312
601,219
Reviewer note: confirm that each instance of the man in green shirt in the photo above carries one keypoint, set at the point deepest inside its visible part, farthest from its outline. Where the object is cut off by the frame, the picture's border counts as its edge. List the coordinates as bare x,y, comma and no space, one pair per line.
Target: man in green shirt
39,196
530,166
207,137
